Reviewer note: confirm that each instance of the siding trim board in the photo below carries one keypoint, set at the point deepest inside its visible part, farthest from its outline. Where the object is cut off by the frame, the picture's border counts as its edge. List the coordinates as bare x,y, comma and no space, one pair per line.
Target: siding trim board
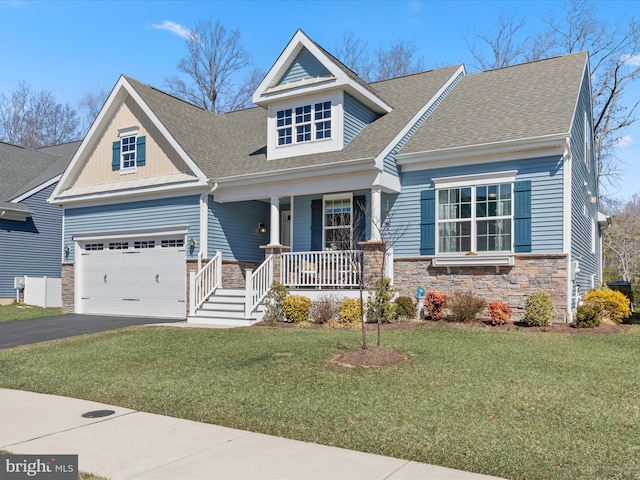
386,160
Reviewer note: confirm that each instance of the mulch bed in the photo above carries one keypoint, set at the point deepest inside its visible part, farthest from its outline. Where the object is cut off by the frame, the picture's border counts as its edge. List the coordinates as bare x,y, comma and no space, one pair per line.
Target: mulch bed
374,356
409,324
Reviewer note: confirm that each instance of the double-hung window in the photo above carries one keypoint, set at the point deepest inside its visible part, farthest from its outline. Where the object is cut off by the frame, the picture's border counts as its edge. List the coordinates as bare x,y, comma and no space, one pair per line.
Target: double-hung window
128,150
475,218
304,123
338,215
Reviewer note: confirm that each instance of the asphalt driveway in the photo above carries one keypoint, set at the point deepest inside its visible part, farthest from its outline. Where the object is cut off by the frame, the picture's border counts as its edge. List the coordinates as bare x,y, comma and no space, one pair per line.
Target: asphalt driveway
23,332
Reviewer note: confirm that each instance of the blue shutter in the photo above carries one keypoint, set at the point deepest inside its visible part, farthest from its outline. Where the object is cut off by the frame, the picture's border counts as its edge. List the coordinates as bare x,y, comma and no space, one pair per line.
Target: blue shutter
428,222
140,151
522,216
115,159
316,224
359,219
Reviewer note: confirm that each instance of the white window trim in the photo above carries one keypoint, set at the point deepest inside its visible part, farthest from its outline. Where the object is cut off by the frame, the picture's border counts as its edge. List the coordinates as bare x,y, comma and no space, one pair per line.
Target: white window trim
335,142
486,258
337,196
128,132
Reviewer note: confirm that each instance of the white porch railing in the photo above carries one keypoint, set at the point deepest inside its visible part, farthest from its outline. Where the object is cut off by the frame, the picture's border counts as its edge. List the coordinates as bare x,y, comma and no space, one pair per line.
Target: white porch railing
257,285
205,282
339,268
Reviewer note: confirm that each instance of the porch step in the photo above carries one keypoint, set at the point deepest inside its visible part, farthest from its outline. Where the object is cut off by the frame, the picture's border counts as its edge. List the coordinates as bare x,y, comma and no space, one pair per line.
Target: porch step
224,307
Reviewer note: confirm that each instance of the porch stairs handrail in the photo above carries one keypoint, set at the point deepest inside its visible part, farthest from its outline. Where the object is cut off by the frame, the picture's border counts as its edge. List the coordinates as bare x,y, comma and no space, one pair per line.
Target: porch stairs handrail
257,284
205,282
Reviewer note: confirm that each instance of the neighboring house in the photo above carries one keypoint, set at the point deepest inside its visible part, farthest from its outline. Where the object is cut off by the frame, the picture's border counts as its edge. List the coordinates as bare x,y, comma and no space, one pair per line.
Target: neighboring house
30,228
486,182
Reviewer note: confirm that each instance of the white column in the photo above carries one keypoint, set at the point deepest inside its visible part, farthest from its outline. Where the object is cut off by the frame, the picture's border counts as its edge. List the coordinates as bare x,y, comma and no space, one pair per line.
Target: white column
274,234
376,207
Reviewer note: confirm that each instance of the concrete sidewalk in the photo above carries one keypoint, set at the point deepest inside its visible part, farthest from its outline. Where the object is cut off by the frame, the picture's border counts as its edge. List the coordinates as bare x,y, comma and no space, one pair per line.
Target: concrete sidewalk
131,444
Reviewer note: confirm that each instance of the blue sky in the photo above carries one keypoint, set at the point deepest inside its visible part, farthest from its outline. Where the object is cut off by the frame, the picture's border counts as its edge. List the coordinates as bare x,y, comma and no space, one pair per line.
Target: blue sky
71,48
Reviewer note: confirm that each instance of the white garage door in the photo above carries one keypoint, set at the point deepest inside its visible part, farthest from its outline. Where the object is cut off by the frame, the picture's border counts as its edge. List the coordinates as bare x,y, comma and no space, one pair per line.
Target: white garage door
137,277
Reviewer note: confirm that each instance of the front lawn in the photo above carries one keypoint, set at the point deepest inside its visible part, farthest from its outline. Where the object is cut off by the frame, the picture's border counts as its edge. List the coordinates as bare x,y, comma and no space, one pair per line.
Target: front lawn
515,404
25,312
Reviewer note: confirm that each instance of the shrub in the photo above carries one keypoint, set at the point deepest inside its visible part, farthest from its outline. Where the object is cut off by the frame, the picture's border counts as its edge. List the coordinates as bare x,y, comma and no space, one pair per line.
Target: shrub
379,305
350,311
434,305
539,309
588,316
325,309
614,305
499,312
627,292
405,307
274,302
464,307
297,308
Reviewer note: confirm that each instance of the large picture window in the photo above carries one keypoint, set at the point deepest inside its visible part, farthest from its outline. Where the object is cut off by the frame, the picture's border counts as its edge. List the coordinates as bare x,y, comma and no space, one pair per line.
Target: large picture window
337,220
304,123
475,218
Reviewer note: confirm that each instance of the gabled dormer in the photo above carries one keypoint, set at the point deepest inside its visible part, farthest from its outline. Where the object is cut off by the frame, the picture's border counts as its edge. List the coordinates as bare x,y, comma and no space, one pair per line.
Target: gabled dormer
314,102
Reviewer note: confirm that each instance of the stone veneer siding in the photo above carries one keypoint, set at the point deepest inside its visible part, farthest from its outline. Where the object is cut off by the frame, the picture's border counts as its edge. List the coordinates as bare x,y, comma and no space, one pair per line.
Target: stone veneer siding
512,285
68,283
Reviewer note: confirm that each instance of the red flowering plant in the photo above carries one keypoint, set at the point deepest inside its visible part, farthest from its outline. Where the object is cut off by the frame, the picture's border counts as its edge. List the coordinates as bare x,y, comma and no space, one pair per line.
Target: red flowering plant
434,305
499,312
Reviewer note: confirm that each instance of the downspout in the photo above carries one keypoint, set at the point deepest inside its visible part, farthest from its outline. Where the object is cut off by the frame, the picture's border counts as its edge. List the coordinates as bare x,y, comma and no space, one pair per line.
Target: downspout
204,224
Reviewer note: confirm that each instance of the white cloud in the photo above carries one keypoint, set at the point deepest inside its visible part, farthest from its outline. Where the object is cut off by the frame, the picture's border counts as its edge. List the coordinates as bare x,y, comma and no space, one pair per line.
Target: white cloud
631,60
625,142
173,28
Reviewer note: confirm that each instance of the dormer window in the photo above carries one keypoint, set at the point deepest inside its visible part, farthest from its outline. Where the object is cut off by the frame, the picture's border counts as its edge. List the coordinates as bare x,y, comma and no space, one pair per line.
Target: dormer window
298,120
311,124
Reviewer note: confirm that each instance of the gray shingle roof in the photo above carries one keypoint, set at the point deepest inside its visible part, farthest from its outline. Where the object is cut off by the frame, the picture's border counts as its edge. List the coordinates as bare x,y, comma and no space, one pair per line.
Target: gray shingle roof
519,102
22,169
235,143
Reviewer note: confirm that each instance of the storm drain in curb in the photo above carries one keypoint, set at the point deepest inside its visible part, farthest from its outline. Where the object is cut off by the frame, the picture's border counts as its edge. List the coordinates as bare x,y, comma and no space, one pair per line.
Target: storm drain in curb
98,413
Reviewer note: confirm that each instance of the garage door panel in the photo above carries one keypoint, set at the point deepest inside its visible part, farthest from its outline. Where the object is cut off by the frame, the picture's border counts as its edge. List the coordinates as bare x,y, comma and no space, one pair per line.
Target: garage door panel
142,282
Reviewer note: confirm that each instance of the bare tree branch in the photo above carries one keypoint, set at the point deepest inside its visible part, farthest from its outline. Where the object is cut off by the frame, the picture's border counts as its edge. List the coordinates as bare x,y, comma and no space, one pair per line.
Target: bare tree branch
503,44
214,56
611,50
34,119
397,60
353,52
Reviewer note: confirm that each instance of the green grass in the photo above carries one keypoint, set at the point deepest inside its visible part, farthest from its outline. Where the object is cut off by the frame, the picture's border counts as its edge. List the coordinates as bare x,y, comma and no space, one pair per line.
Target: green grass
515,403
25,312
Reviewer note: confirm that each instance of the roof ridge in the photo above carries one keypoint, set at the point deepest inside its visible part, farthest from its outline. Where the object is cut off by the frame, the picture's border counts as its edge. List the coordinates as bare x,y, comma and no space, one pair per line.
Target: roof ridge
130,79
456,66
531,62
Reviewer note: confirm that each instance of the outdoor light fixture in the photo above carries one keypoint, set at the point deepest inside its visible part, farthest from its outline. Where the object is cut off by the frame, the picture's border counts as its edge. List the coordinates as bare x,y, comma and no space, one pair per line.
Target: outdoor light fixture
193,243
67,249
262,228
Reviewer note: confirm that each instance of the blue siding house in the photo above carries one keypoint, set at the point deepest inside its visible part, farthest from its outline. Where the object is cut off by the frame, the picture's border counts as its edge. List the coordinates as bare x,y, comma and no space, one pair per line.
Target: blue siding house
30,228
482,181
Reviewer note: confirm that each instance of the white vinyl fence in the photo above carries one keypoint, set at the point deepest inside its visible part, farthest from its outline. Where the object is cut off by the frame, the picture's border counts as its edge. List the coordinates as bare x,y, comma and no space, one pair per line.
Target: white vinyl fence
43,291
